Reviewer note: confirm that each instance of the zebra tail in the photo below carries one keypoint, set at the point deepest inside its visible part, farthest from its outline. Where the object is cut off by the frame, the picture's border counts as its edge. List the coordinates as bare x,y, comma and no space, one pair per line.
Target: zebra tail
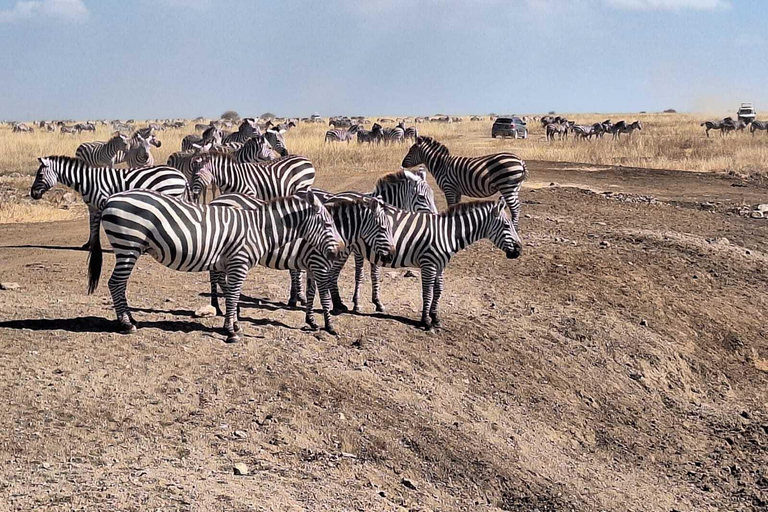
95,260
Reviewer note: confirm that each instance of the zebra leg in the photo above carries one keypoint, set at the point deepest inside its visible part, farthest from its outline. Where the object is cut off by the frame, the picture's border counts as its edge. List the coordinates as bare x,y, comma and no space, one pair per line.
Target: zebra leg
322,278
437,291
375,288
297,295
236,273
428,275
309,316
216,278
118,283
359,267
94,224
338,305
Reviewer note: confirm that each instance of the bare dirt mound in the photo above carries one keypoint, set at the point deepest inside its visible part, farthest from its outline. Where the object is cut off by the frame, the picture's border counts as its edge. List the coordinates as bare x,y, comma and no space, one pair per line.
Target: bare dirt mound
620,364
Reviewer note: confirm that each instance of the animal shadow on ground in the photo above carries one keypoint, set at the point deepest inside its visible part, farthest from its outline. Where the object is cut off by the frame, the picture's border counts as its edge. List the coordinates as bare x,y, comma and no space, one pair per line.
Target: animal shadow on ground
101,324
52,248
180,312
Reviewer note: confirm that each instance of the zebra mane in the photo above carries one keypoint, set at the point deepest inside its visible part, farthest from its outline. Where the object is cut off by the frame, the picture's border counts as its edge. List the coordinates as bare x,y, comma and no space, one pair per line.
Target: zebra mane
392,178
432,143
462,208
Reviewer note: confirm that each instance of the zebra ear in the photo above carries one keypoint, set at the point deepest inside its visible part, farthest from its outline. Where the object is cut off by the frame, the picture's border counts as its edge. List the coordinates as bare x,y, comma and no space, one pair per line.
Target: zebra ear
422,172
419,139
499,207
43,160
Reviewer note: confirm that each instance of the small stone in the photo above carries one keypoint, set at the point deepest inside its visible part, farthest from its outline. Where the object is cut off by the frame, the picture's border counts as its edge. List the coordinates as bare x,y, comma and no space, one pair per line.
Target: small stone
342,417
205,311
408,483
382,494
527,215
723,241
240,469
601,223
604,244
348,455
644,322
762,208
409,273
9,286
240,434
745,415
757,215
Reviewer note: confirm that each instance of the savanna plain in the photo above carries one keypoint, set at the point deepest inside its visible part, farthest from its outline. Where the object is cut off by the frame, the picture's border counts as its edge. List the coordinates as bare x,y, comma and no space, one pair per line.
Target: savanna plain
620,364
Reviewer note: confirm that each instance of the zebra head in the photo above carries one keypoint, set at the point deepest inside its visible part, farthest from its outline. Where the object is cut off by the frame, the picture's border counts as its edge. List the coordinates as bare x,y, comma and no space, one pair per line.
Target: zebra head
502,231
318,228
46,178
407,190
202,170
276,139
377,229
422,151
120,142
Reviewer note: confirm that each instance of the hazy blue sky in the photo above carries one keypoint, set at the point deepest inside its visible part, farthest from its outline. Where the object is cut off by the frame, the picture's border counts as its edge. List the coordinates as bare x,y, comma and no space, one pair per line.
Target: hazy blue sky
184,58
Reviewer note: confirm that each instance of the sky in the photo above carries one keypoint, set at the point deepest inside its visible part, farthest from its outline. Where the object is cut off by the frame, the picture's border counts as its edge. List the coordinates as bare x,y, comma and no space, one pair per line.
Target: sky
94,59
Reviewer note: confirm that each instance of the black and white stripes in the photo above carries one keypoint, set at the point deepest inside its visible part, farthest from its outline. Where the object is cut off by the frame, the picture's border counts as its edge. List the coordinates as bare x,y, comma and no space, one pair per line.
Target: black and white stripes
99,153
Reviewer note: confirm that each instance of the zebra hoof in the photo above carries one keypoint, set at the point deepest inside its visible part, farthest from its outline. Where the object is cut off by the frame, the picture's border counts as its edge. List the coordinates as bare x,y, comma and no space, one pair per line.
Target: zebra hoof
292,303
356,309
312,325
232,338
339,309
435,321
302,300
127,329
330,330
380,308
85,246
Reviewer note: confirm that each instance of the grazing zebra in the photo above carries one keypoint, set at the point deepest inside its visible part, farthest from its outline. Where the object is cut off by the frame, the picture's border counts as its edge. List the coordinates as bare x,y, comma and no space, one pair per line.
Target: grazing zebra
396,134
192,238
411,133
758,125
256,149
139,155
622,127
96,184
428,241
211,135
99,153
341,134
480,176
282,177
583,131
22,128
375,134
248,128
85,127
67,129
358,218
277,141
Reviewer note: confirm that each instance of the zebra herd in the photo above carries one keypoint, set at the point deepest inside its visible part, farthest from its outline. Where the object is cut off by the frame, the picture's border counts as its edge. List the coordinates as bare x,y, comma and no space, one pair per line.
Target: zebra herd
557,127
729,125
377,134
269,214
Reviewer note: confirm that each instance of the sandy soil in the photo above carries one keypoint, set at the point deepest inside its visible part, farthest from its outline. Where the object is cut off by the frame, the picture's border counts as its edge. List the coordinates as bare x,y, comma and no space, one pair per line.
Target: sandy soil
620,364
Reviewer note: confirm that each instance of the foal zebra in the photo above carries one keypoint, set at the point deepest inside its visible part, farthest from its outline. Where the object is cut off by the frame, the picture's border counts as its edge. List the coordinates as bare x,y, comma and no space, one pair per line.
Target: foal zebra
358,218
480,176
428,241
97,184
99,153
192,238
278,178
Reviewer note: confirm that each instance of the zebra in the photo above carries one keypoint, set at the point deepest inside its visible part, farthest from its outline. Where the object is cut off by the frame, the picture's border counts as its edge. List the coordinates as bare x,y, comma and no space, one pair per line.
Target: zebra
139,155
340,122
277,141
211,135
255,149
358,218
480,176
622,127
193,238
375,134
247,129
67,129
22,128
282,177
428,241
96,184
99,153
396,134
341,134
758,125
411,133
583,131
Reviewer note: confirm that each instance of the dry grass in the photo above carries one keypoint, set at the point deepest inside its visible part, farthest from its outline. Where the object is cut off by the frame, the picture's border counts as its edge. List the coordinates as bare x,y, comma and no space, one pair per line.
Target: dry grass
667,141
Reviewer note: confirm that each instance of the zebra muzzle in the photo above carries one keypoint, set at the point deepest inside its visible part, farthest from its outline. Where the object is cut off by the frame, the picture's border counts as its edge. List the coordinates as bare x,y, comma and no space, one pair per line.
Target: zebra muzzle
513,253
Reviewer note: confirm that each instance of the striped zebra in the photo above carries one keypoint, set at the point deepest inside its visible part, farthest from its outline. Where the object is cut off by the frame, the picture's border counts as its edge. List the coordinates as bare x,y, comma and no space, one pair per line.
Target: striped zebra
139,154
479,177
248,128
622,127
428,241
341,134
375,134
192,238
411,133
396,134
278,178
758,125
212,135
100,153
97,184
277,141
358,218
255,149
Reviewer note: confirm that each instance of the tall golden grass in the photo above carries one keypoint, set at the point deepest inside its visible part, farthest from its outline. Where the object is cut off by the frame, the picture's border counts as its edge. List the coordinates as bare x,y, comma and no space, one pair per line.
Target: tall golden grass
667,141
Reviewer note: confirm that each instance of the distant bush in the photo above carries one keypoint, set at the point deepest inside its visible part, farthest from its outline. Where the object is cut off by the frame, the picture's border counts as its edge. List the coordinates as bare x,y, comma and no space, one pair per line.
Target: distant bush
268,115
670,111
230,115
551,112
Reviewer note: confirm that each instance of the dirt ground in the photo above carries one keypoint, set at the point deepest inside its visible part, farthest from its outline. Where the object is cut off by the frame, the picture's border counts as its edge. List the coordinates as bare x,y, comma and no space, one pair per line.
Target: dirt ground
621,364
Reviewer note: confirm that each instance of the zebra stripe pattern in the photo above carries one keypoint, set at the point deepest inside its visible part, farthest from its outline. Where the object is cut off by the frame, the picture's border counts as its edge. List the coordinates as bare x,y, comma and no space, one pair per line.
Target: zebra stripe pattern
97,184
192,238
256,149
358,218
278,178
139,155
428,241
396,134
277,141
341,134
479,177
100,153
212,135
375,134
248,128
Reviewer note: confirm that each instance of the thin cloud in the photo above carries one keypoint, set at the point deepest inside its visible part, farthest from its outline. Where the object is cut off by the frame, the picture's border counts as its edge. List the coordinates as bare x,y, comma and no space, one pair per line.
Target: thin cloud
669,5
64,10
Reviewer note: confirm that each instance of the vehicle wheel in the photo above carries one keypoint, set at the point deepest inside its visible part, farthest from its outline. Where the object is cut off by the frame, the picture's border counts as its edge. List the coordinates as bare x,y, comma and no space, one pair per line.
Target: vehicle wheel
493,135
514,135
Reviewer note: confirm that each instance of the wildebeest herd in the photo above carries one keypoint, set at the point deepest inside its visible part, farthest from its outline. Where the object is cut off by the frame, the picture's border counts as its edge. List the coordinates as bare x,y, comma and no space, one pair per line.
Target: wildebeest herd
269,214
